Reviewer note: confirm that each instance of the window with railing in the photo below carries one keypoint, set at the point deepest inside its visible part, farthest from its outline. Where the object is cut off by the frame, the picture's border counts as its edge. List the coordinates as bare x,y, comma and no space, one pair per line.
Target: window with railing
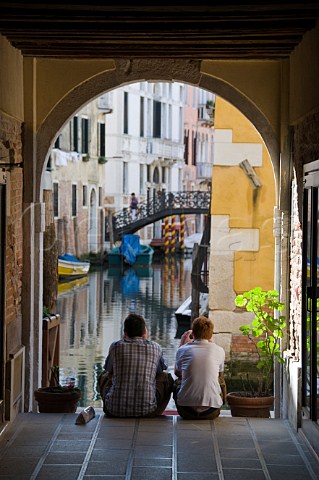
55,193
141,178
125,113
170,122
163,174
142,117
75,134
186,149
85,196
204,170
194,148
101,139
74,201
157,116
180,125
125,177
85,135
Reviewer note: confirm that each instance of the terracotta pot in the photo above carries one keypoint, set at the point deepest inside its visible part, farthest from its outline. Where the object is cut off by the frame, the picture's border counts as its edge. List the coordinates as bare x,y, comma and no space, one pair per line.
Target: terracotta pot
241,406
51,400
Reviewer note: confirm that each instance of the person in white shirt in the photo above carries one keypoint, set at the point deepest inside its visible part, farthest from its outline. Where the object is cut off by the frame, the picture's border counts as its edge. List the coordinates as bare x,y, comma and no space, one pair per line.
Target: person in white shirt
199,369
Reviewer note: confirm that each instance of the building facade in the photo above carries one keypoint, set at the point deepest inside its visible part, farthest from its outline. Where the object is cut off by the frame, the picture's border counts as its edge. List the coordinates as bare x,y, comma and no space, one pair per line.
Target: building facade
75,175
144,146
128,140
199,112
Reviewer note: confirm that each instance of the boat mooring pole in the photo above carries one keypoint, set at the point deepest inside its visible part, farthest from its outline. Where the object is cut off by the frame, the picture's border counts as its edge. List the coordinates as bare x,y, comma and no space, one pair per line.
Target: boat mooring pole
166,239
182,232
173,234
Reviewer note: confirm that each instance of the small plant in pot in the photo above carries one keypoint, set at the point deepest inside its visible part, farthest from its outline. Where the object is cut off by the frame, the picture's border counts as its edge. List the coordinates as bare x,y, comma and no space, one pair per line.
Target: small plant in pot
265,332
58,398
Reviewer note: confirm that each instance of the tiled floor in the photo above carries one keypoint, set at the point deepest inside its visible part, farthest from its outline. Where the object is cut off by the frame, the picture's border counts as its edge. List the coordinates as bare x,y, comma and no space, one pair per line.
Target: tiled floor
51,446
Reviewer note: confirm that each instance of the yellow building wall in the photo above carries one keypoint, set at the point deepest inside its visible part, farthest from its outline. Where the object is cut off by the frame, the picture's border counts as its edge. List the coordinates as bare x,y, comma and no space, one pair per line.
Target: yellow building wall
233,195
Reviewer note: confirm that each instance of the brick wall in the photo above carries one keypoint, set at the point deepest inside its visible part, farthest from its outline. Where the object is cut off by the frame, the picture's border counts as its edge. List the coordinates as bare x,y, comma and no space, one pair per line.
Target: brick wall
305,150
294,329
242,348
76,229
11,149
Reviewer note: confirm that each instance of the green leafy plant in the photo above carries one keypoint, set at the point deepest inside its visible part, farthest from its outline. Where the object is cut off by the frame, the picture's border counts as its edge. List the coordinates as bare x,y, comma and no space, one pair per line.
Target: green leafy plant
46,312
265,332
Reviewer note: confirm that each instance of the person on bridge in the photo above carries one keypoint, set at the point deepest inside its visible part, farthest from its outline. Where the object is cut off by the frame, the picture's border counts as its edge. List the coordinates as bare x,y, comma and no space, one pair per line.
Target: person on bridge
133,206
134,383
199,369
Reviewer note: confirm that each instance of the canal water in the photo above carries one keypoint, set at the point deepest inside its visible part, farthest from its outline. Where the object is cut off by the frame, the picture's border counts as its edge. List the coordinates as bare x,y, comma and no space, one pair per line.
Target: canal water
93,310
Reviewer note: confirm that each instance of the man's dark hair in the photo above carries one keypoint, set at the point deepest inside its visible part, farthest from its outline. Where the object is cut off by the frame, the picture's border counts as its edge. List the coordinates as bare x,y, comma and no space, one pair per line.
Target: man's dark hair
134,325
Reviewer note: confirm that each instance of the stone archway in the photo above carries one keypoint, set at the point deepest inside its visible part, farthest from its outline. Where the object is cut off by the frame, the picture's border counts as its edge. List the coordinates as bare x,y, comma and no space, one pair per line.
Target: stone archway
130,71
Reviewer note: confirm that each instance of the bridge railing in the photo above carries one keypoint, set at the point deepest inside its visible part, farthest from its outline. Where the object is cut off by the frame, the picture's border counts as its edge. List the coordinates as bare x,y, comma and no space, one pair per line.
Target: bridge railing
193,200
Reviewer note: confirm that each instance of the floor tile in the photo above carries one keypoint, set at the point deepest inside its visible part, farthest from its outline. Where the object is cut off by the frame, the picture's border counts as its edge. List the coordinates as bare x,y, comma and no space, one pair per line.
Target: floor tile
109,467
244,474
148,473
153,449
11,465
65,458
49,472
278,472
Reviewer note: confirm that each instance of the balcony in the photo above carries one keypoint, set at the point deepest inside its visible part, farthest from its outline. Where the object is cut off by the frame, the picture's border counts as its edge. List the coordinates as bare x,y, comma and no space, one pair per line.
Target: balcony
161,148
104,103
204,171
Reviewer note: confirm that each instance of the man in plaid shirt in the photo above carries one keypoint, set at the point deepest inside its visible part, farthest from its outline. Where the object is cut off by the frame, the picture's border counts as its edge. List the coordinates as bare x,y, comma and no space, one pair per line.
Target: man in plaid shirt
134,383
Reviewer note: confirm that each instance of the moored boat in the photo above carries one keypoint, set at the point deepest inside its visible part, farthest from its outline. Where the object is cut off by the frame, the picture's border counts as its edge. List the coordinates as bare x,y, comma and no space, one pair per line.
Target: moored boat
69,284
184,313
131,252
70,266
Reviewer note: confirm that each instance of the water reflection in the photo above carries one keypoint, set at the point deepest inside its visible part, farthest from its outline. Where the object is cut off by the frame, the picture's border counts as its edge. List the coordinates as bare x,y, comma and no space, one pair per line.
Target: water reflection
92,315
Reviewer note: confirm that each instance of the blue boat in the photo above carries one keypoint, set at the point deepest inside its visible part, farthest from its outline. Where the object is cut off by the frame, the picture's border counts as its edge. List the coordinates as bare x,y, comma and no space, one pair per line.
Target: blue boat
131,252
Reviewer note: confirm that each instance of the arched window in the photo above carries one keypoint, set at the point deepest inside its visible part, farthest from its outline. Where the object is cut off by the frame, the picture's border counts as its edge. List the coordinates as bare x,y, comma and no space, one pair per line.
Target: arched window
156,175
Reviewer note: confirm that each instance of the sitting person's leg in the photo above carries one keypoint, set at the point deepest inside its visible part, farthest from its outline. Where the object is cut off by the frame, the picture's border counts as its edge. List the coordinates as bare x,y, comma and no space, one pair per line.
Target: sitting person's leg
164,386
188,413
104,383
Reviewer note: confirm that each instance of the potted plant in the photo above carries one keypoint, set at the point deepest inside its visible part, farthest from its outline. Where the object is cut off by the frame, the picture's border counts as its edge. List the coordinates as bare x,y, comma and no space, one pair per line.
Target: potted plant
265,332
58,398
46,312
